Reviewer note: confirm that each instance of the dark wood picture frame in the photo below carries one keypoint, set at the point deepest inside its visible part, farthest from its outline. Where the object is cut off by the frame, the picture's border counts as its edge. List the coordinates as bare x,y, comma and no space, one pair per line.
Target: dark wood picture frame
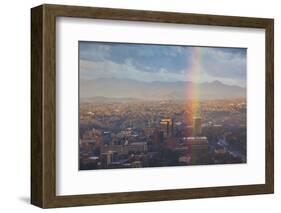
43,105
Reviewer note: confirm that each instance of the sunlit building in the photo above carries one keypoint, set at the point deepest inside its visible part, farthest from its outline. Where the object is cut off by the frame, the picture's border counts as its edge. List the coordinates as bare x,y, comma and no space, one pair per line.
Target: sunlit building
199,144
197,130
167,126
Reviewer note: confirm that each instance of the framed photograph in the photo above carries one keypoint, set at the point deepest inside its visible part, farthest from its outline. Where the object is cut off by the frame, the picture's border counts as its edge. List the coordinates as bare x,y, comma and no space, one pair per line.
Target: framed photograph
136,106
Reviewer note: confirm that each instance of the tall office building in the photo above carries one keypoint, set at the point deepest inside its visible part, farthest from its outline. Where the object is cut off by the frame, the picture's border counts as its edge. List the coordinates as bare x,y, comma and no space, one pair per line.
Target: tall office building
199,144
197,131
199,148
167,126
158,137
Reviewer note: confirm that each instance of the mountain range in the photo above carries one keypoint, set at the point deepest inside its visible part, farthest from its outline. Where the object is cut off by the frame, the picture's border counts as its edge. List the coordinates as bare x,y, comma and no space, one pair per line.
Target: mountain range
115,88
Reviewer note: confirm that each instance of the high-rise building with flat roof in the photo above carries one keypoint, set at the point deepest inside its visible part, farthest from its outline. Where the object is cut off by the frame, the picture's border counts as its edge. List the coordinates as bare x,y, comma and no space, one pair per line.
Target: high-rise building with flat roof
199,148
167,126
199,144
197,131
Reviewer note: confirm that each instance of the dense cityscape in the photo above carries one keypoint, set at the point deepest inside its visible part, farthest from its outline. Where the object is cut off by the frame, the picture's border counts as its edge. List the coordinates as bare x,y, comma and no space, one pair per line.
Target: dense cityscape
156,105
143,133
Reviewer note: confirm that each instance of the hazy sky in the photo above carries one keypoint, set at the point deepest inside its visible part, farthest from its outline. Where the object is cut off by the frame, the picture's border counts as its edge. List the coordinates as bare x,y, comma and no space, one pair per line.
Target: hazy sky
162,62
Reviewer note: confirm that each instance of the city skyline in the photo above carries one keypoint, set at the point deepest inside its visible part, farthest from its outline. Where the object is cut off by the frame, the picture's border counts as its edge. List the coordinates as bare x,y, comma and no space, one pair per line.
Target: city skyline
145,105
164,63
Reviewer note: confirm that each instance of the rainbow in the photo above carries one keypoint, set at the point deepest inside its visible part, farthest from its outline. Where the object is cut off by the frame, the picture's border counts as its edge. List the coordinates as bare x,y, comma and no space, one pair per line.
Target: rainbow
193,74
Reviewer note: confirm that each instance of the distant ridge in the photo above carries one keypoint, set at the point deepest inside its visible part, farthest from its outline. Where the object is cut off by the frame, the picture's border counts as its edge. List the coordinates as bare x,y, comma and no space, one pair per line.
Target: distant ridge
126,89
100,99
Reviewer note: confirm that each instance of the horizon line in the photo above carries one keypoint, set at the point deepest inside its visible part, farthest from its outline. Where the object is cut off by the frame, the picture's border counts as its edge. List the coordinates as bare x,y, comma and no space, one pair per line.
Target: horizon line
161,81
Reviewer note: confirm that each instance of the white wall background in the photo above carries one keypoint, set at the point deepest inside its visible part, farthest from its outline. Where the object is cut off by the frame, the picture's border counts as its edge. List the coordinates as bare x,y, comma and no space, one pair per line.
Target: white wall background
15,105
